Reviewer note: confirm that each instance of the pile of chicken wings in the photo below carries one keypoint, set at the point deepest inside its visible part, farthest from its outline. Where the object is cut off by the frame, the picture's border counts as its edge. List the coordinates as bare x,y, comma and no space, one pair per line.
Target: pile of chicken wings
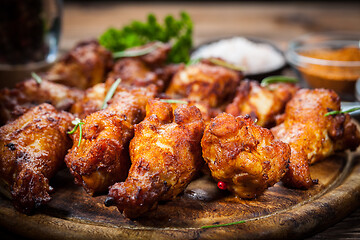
161,126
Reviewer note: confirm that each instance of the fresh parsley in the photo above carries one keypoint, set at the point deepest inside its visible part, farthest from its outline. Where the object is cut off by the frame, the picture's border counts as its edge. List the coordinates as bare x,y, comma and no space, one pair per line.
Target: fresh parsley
176,32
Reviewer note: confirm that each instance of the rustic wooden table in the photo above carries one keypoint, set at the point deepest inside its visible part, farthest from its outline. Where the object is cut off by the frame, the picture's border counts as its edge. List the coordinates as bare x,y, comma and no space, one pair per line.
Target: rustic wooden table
277,22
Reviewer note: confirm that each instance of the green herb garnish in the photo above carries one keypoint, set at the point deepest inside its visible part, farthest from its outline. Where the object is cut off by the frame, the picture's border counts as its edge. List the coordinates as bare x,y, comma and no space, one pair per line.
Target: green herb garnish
174,101
193,61
176,32
110,93
77,122
36,77
223,225
137,52
225,64
341,112
276,79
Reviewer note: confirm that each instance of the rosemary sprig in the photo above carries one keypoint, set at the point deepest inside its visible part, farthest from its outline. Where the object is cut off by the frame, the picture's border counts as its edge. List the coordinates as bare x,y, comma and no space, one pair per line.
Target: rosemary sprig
174,101
275,79
223,225
110,93
77,122
225,64
137,52
341,112
193,61
36,77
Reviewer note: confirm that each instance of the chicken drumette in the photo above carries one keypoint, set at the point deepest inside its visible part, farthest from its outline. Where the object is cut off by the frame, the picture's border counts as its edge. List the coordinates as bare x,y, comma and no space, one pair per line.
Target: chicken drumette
32,149
204,82
101,159
165,155
27,94
311,135
144,70
243,155
261,103
84,66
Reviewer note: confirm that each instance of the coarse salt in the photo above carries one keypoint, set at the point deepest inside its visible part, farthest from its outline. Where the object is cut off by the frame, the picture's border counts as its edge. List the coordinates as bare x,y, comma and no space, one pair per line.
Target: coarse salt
254,57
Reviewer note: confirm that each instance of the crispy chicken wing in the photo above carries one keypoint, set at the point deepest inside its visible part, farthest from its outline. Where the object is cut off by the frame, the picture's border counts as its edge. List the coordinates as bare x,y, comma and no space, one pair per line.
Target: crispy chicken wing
243,155
32,149
144,70
27,94
204,82
165,155
84,66
102,158
312,136
134,72
91,101
261,103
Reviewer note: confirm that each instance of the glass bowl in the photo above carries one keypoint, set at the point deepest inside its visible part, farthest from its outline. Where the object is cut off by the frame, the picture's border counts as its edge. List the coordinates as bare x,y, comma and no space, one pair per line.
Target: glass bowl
327,60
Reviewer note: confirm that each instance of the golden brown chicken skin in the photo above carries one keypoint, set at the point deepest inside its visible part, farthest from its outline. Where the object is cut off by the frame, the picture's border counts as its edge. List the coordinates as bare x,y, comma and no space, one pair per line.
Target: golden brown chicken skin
29,93
84,66
165,154
312,136
102,157
134,72
32,150
261,103
91,101
204,82
207,112
244,156
144,70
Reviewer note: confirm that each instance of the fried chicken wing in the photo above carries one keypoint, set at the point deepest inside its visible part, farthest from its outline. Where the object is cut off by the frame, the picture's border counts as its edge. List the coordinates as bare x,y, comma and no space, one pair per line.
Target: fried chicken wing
32,150
144,70
91,101
102,157
312,136
156,58
29,93
207,112
244,156
84,66
134,72
165,155
261,103
204,82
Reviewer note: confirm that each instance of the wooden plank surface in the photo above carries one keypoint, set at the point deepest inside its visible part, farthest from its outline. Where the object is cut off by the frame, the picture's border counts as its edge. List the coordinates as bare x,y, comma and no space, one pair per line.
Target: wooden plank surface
279,213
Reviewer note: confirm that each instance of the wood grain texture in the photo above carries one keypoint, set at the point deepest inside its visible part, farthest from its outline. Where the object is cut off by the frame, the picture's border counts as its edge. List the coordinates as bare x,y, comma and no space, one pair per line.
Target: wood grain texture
279,213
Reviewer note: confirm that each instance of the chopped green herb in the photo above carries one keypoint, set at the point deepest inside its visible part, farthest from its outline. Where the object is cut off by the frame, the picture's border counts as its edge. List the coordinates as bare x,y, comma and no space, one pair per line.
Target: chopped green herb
225,64
275,79
110,93
36,77
223,225
341,112
174,101
176,32
77,122
137,52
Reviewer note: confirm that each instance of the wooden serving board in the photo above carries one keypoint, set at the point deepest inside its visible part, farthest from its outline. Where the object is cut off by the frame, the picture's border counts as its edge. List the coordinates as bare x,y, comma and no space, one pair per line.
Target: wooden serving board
279,213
